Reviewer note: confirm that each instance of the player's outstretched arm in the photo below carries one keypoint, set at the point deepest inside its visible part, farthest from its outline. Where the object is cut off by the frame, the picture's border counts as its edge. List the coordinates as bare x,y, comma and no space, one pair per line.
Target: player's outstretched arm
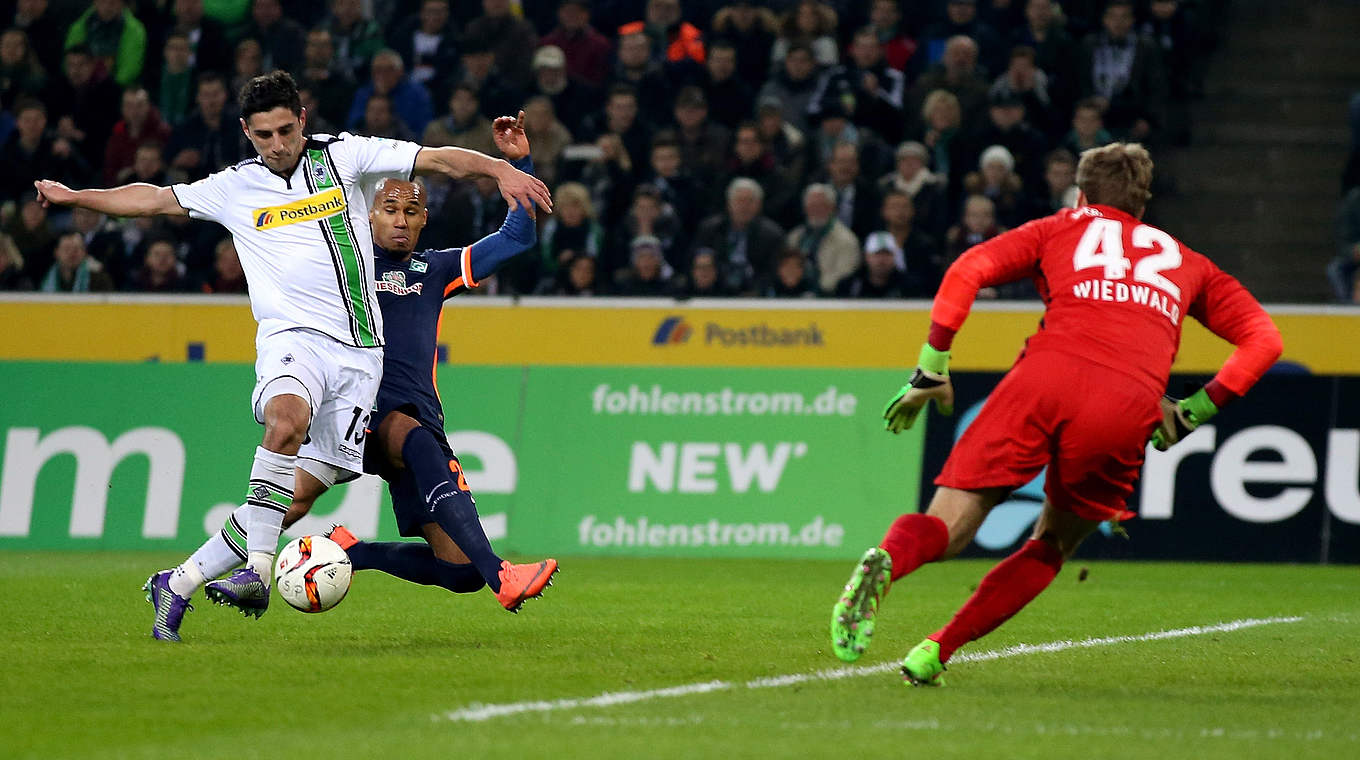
518,233
518,188
139,199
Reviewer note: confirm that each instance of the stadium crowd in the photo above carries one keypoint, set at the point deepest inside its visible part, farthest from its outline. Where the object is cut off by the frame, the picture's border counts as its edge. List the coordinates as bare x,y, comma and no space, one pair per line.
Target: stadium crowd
788,148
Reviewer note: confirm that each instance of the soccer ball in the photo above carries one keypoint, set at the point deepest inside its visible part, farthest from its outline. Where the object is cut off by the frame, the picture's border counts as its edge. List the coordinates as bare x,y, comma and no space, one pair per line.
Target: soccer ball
312,573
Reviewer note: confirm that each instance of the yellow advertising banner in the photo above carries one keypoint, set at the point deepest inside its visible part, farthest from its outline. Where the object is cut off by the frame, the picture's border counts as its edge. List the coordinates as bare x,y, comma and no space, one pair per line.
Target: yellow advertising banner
600,332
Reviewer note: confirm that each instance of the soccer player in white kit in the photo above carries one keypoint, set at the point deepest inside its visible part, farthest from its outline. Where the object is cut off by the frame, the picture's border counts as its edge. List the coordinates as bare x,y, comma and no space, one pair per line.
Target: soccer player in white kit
298,214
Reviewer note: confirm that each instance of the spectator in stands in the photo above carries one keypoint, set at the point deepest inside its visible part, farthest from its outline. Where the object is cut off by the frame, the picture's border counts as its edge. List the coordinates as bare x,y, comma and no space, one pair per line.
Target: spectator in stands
793,86
742,237
1088,127
12,277
409,100
209,49
620,118
356,37
1172,28
944,137
175,90
326,77
978,226
573,99
729,98
835,127
1024,81
428,46
381,120
588,52
649,216
669,176
997,180
647,77
570,230
857,203
1344,269
33,235
961,19
247,62
85,108
876,89
751,31
823,239
674,40
478,71
148,165
317,123
227,276
141,124
899,49
915,252
160,272
21,75
1060,177
787,144
751,157
703,143
31,153
928,191
811,24
958,74
46,34
73,271
879,277
576,278
1006,127
281,39
704,280
611,178
103,241
1125,71
791,277
647,274
509,38
1055,51
115,38
548,136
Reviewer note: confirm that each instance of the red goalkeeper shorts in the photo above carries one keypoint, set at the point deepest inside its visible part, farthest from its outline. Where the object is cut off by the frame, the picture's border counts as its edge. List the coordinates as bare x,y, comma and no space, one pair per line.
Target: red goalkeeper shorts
1088,423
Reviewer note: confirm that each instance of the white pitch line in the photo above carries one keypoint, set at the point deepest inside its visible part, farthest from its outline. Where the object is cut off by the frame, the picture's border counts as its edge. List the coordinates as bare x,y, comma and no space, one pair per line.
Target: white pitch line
480,712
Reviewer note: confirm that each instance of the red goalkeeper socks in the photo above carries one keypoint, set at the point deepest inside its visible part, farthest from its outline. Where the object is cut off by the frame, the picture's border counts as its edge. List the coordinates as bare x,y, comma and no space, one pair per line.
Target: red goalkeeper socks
1003,592
914,540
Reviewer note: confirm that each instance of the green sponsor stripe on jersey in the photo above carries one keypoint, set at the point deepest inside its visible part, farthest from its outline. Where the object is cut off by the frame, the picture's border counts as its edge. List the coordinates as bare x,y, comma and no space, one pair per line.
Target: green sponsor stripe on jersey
349,254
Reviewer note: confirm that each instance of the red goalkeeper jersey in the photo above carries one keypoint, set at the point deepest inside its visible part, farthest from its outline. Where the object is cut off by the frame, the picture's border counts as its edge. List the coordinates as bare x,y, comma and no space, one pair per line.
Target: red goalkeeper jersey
1116,291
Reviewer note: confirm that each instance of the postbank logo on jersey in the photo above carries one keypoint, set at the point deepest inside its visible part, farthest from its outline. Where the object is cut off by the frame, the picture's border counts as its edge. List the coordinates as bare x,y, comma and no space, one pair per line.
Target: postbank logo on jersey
317,206
395,282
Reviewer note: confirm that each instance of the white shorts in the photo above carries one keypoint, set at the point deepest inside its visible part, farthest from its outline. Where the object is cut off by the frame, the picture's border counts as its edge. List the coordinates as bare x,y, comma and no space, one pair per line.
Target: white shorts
338,382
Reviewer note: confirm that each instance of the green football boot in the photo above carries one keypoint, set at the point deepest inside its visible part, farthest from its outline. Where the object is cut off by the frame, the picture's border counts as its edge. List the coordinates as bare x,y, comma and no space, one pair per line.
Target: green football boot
852,619
922,667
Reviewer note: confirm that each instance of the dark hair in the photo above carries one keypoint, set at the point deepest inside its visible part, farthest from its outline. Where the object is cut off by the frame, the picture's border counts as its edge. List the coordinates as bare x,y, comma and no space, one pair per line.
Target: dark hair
1060,156
622,88
27,103
208,77
79,49
269,91
666,138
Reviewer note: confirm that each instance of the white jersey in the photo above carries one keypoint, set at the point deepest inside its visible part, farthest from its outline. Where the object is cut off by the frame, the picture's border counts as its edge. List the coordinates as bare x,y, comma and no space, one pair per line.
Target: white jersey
304,242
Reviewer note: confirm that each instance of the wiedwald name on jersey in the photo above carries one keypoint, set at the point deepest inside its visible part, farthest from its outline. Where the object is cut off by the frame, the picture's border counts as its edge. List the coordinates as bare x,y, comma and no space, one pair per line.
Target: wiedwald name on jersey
1120,292
313,207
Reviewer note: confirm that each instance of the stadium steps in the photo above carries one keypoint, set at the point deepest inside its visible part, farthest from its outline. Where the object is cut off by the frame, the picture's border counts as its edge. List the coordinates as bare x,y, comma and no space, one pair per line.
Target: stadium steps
1257,190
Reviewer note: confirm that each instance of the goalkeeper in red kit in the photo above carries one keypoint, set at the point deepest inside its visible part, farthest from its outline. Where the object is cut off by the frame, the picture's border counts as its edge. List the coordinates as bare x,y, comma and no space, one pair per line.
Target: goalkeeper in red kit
1084,398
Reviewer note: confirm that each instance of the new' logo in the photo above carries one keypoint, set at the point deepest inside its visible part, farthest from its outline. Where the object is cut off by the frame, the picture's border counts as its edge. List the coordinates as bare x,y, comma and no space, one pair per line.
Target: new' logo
672,330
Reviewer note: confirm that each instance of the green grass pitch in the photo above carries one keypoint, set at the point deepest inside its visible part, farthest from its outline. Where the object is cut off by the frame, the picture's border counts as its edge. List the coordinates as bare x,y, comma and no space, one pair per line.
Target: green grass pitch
379,676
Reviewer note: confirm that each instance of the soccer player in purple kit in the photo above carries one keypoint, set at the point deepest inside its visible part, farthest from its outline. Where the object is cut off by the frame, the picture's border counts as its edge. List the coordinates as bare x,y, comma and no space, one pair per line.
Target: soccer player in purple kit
407,445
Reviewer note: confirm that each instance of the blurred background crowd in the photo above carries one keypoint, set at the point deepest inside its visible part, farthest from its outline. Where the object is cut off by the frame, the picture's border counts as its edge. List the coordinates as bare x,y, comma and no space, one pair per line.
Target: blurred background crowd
786,148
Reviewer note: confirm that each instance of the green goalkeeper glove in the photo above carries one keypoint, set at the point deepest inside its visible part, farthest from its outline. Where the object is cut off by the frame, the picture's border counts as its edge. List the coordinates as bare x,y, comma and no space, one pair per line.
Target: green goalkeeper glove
1180,418
929,381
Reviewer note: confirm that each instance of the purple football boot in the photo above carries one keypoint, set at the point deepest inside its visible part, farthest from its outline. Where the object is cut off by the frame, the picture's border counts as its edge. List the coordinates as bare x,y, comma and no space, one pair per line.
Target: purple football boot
243,590
170,607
